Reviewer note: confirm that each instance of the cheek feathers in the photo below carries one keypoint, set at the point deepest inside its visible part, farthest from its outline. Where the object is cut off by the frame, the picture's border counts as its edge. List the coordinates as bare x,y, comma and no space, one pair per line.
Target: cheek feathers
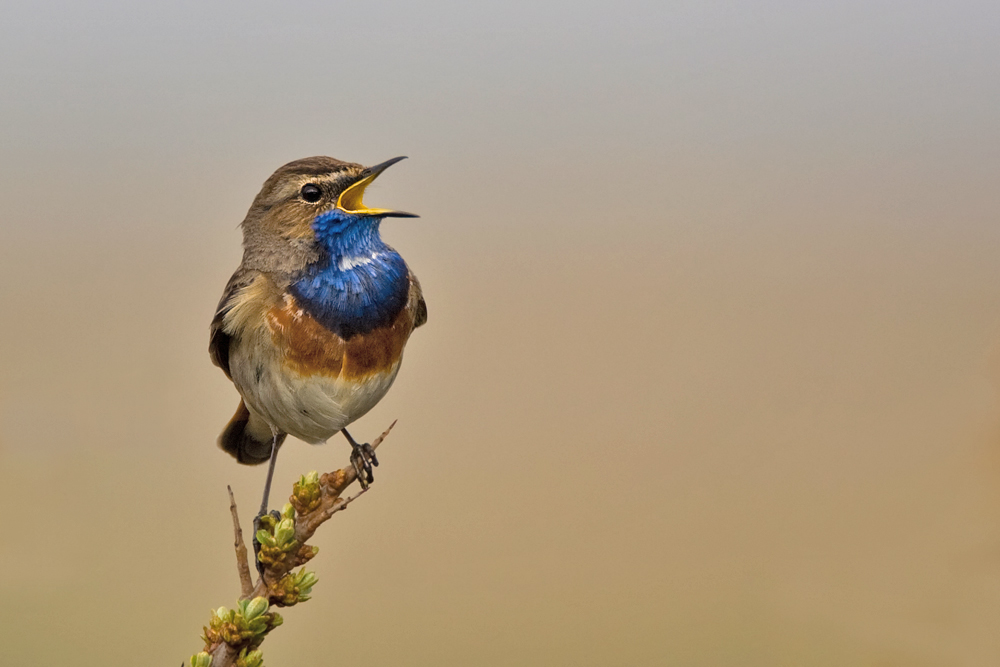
291,220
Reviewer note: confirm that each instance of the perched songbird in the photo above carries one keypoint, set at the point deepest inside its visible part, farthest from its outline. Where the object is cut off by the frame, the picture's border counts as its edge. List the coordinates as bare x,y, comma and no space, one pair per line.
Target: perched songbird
312,325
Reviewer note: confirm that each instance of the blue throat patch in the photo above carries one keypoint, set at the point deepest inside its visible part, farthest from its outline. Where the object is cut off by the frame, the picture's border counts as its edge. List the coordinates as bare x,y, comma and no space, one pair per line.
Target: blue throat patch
360,283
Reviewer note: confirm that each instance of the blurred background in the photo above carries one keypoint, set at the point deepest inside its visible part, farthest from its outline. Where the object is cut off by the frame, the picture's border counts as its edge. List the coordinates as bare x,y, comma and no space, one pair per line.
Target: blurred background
711,371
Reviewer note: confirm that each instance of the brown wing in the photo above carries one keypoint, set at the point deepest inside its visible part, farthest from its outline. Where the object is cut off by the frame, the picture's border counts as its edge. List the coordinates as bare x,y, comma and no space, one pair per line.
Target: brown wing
218,343
420,311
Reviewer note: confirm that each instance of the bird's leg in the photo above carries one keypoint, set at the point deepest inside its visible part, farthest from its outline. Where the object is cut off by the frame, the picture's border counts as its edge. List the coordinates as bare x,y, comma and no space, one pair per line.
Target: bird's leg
270,475
362,458
263,504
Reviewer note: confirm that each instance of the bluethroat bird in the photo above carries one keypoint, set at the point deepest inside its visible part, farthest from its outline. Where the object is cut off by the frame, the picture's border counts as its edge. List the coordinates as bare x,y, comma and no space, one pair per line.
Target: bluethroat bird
312,325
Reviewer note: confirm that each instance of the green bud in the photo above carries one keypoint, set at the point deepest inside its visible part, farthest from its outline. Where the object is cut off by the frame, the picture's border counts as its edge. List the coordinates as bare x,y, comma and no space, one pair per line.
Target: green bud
201,660
255,608
250,659
266,522
293,588
305,580
288,512
265,538
306,493
284,532
258,627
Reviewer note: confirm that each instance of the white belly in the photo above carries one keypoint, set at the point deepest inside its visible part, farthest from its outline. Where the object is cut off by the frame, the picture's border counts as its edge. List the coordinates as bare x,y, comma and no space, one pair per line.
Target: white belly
309,407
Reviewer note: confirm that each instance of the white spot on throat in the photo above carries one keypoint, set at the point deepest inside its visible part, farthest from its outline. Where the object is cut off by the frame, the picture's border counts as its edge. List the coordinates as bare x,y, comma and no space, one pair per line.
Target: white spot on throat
348,263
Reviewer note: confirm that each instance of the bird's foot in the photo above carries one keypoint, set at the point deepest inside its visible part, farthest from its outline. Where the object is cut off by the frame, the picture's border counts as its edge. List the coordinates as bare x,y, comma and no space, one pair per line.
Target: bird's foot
263,520
363,458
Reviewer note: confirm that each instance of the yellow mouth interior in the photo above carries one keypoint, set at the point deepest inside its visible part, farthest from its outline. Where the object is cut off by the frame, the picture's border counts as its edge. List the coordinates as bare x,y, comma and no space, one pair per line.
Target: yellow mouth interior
351,199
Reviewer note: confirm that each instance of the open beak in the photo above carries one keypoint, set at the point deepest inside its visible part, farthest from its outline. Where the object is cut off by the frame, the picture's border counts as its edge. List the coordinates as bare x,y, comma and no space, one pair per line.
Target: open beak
350,200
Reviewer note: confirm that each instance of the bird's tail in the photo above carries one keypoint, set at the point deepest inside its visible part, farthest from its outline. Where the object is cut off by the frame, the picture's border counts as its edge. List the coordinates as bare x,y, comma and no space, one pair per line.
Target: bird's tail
248,438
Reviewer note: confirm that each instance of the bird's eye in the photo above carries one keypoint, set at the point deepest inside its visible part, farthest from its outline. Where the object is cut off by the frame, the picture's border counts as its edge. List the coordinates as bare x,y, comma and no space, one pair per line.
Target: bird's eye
311,193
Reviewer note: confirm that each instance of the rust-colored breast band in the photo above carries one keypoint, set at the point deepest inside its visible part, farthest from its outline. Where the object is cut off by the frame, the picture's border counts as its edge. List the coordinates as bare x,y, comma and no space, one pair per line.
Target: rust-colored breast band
310,348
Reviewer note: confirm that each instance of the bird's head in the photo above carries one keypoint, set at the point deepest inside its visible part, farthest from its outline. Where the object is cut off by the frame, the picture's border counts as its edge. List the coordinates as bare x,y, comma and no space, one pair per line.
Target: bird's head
310,205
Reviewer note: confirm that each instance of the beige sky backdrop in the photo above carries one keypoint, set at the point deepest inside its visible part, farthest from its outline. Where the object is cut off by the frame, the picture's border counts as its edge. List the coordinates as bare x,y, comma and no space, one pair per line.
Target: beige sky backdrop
712,364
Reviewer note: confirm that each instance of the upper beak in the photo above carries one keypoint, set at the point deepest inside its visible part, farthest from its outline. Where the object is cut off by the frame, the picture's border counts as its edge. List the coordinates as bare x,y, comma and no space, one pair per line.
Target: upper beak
350,200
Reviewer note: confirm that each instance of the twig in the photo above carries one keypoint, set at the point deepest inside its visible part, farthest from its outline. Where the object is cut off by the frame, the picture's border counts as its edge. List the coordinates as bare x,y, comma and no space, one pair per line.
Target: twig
332,484
314,506
242,563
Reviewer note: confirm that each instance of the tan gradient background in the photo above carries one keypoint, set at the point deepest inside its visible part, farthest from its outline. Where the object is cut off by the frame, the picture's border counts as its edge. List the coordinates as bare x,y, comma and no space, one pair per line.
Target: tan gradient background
712,364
